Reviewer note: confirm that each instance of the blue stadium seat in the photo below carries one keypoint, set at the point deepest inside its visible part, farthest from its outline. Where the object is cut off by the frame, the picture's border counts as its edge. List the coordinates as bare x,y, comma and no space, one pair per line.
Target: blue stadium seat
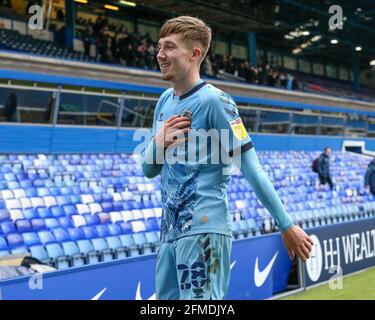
23,226
4,215
104,217
118,250
126,227
102,231
30,213
103,251
3,247
56,211
86,248
52,223
71,250
76,234
44,212
65,222
89,232
7,227
60,235
46,237
39,252
38,224
141,242
31,239
15,240
107,206
56,256
69,209
114,229
91,220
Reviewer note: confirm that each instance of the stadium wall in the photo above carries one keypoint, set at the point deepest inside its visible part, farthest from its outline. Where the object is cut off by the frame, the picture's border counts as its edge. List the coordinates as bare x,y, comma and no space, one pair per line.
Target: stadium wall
16,138
259,268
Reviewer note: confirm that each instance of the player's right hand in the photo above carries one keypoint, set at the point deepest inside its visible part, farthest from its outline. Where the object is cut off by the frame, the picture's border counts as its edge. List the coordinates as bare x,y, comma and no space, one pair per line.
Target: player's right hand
173,131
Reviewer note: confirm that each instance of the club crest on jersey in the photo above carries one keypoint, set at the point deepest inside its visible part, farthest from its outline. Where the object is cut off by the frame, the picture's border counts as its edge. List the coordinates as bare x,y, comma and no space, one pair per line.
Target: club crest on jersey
161,116
238,129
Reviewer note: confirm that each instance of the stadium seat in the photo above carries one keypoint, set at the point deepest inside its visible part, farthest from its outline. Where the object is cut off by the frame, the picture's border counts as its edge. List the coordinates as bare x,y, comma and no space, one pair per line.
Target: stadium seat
85,247
7,227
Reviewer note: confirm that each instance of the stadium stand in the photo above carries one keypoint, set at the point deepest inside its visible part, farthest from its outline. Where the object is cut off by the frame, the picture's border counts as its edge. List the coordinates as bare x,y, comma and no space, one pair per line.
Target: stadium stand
103,208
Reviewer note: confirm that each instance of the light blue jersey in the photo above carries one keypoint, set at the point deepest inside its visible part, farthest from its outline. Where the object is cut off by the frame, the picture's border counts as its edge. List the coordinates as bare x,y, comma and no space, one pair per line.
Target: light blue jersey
194,195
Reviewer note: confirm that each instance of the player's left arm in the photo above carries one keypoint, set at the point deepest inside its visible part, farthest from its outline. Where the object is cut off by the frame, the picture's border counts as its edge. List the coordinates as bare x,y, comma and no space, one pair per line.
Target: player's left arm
224,115
295,239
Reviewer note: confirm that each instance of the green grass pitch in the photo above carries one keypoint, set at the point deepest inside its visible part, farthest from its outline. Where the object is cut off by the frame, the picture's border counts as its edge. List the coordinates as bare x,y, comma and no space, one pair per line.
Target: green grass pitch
359,286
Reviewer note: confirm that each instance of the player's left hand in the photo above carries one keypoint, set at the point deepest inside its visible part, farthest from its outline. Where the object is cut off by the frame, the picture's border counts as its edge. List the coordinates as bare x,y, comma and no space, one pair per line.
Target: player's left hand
297,242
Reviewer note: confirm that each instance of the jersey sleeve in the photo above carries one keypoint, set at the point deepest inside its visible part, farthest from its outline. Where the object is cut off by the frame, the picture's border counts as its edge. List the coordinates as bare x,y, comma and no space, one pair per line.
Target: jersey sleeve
224,116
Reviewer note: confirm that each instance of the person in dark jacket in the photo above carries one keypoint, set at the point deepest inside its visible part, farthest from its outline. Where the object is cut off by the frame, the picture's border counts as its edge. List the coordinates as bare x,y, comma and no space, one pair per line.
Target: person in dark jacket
370,177
10,107
323,168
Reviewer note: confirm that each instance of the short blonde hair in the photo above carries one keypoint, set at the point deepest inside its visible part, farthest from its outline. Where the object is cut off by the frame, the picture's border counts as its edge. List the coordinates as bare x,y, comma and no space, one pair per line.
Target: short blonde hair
191,29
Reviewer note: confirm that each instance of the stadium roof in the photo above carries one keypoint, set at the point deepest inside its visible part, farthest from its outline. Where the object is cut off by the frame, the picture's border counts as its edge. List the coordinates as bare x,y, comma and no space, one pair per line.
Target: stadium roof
289,25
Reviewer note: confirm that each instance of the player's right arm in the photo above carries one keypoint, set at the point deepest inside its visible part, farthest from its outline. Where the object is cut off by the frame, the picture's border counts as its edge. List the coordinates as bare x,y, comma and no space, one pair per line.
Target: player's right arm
171,132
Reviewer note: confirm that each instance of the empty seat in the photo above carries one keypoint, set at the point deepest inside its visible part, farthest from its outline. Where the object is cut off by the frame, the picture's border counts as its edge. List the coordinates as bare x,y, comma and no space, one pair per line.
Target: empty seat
31,239
16,214
4,215
104,217
115,244
95,208
25,203
19,193
30,213
46,237
52,223
65,222
7,194
7,227
87,198
43,212
50,201
76,234
107,206
105,253
37,202
71,249
60,235
78,220
82,208
115,216
86,248
90,232
38,224
70,209
56,211
127,215
23,226
138,226
15,240
102,231
12,204
57,256
39,252
3,247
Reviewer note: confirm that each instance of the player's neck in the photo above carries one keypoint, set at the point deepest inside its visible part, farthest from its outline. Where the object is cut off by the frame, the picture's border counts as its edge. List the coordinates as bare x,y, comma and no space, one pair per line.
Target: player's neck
184,85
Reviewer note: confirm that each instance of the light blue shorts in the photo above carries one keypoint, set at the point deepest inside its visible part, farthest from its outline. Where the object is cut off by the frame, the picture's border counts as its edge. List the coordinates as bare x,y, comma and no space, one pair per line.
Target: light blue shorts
195,267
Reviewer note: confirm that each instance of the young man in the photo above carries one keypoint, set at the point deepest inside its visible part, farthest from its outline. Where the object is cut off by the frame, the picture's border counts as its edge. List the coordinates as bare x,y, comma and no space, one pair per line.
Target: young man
194,258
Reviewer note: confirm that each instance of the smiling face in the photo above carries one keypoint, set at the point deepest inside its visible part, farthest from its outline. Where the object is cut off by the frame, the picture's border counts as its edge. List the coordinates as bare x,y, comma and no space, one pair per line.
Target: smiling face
177,58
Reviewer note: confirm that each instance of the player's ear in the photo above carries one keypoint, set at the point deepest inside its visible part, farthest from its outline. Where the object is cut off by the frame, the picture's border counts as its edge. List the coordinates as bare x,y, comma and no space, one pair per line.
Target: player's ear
197,53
